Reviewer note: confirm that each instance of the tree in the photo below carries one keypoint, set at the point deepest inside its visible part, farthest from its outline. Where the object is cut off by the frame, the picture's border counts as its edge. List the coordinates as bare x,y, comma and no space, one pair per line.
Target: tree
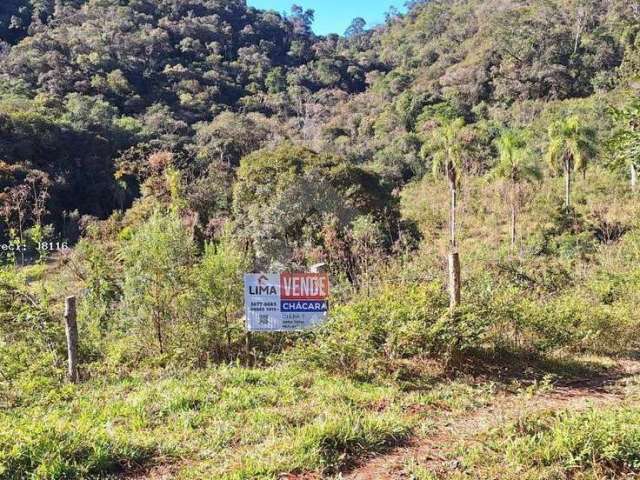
301,19
356,28
571,146
229,137
14,210
284,195
219,295
88,113
515,166
625,143
157,262
448,149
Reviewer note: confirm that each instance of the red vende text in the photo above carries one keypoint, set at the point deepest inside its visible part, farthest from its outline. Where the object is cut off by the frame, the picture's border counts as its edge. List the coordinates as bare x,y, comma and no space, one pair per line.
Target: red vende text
304,286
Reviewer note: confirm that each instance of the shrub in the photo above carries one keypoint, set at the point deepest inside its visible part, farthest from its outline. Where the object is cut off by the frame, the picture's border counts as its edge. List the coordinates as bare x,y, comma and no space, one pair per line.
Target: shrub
31,341
215,325
366,336
157,262
27,375
95,265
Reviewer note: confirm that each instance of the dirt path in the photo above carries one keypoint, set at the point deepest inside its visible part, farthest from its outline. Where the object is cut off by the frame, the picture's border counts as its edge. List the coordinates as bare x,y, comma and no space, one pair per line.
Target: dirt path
434,452
160,472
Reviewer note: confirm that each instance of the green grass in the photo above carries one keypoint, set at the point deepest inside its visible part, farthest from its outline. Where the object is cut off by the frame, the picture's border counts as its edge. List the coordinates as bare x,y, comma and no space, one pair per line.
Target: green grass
597,443
50,445
233,422
230,423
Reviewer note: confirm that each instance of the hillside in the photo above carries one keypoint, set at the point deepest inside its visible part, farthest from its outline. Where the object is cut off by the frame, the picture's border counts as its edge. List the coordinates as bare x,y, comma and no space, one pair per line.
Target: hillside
467,174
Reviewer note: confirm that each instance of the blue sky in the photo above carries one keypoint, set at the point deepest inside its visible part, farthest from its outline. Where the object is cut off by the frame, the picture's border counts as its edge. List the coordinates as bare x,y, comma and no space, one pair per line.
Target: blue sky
334,16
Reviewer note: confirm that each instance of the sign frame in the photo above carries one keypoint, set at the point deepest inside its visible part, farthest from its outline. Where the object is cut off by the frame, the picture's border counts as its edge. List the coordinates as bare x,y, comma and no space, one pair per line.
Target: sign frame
285,302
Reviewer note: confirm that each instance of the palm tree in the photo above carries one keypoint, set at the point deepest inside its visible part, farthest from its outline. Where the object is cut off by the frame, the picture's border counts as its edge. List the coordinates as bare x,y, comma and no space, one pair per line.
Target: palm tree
514,165
571,146
448,150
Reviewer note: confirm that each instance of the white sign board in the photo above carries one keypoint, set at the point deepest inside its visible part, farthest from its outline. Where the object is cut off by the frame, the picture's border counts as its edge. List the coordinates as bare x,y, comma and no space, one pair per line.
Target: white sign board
285,302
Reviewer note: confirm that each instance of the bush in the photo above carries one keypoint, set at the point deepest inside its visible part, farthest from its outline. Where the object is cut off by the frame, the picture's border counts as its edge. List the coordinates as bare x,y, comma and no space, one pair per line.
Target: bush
365,337
183,309
96,265
31,342
372,334
157,263
214,327
544,309
576,323
27,375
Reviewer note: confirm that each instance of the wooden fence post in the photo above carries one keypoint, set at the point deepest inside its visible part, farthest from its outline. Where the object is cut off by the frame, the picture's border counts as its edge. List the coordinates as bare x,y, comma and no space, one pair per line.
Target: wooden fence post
71,328
454,280
248,348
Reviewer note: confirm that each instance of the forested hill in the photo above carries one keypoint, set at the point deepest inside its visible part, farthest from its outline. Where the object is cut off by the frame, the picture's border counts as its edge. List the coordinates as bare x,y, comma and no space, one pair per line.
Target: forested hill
81,82
89,90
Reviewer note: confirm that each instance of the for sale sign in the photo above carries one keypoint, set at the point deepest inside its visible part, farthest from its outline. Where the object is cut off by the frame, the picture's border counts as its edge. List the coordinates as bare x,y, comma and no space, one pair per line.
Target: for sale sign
285,302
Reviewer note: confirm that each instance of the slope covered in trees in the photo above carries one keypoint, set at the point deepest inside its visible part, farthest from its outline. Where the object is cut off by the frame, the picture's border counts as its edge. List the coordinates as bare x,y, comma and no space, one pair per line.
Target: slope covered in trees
109,83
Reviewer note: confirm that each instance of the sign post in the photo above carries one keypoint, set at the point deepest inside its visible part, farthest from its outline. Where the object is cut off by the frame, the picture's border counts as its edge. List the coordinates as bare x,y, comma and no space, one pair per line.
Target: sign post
285,302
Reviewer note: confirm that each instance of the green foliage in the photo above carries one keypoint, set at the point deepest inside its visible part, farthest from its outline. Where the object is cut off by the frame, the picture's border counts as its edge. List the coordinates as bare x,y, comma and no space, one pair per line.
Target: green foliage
571,145
624,144
368,335
218,299
157,261
254,144
101,284
448,149
73,103
31,343
514,160
53,447
284,197
65,156
29,374
157,300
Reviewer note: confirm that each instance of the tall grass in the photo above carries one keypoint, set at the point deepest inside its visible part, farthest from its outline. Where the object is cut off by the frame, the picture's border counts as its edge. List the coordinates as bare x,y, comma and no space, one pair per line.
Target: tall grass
231,422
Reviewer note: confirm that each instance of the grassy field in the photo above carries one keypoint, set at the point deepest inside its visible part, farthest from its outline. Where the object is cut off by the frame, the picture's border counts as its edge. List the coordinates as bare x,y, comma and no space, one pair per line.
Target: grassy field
465,173
601,439
243,423
224,423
